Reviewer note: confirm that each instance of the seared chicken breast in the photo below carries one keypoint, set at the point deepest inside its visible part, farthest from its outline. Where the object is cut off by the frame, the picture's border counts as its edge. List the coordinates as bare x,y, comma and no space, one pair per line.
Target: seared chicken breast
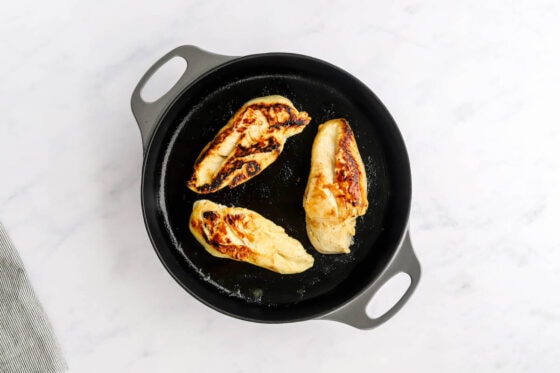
336,192
244,235
251,140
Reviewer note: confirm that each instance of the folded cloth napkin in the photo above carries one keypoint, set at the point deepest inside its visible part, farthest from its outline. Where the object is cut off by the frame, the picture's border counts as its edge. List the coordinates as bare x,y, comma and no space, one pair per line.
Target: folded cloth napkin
27,342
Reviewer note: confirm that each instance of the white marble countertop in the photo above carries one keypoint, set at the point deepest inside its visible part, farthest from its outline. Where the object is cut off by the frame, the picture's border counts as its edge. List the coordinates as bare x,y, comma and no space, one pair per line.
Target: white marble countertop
474,88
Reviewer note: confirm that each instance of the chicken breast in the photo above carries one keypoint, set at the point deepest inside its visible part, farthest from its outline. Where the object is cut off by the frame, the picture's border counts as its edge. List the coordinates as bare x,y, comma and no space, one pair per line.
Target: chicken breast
244,235
251,140
336,192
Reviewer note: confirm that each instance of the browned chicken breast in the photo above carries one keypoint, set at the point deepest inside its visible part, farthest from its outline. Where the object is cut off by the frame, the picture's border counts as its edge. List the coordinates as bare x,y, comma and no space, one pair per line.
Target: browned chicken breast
336,192
242,234
252,139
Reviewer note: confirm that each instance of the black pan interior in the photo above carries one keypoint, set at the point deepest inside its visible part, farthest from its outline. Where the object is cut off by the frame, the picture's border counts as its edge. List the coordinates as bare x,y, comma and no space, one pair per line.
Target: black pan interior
241,289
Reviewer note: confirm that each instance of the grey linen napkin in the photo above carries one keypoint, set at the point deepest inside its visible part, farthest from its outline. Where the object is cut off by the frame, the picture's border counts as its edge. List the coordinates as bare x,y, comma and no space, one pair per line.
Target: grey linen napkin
27,342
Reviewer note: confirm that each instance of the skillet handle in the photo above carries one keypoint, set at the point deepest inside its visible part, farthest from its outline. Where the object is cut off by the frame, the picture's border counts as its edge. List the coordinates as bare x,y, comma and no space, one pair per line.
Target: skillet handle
147,114
354,312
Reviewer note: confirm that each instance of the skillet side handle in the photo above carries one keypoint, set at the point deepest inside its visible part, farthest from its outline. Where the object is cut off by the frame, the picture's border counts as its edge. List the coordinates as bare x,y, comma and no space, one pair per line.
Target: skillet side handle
147,113
354,313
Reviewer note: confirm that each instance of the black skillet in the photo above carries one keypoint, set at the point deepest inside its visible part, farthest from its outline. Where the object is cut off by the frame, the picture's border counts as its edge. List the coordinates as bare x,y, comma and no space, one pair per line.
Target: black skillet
175,128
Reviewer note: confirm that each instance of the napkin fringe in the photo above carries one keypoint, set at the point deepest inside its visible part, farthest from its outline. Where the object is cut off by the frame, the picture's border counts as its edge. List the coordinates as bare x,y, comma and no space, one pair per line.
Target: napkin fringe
27,341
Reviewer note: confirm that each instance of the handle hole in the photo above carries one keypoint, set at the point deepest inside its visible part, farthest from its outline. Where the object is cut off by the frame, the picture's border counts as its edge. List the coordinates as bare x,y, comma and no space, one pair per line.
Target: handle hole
389,294
163,79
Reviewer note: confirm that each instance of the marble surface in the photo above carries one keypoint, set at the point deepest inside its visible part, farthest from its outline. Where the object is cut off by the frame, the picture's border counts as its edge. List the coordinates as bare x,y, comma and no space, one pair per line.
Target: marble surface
474,88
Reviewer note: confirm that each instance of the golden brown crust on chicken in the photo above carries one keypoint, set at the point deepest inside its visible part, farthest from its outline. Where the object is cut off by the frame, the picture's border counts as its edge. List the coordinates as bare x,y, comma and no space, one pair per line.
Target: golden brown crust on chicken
251,140
244,235
336,192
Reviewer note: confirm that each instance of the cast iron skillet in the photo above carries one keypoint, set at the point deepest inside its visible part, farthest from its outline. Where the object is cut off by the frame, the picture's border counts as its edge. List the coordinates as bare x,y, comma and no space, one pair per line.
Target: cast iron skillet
176,127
